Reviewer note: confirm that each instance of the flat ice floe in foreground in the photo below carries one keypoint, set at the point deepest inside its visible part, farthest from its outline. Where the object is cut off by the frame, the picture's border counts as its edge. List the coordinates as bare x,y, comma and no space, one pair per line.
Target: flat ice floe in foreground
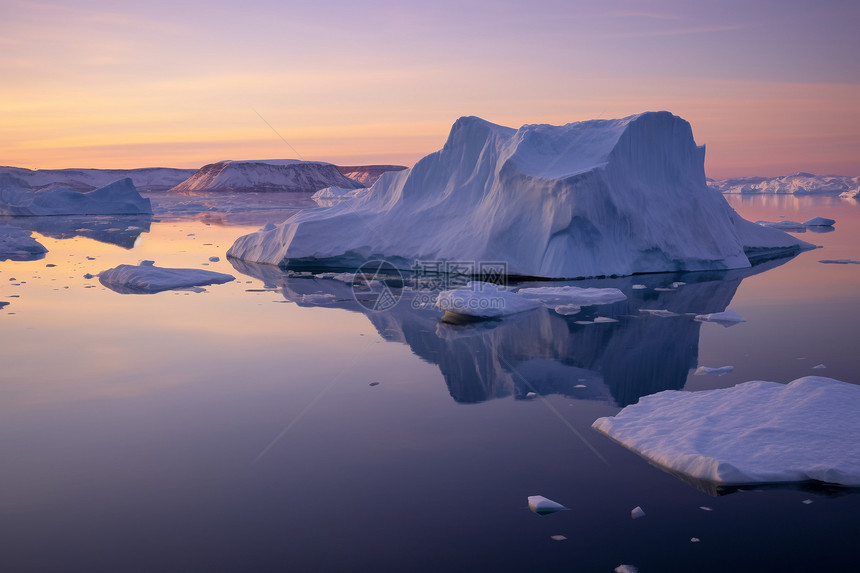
755,432
482,300
18,245
593,198
147,278
118,198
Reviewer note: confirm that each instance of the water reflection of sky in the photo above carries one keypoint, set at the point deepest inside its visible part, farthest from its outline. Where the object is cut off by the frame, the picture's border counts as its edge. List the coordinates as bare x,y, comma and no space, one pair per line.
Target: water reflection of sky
235,429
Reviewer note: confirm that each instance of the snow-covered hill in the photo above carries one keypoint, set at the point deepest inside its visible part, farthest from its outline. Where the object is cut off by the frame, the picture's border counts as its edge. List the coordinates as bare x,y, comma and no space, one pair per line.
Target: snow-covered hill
798,184
146,179
265,175
367,174
593,198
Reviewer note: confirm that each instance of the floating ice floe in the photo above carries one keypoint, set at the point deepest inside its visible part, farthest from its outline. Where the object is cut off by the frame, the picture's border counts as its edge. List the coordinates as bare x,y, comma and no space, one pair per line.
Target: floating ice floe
701,370
331,196
542,506
624,568
725,318
639,287
755,432
637,512
146,278
658,312
571,297
18,245
118,198
840,261
483,300
593,198
557,537
820,222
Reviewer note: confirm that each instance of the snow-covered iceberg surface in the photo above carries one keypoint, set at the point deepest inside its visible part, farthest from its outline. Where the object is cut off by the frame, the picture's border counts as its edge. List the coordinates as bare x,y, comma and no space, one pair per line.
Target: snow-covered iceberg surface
755,432
265,175
17,244
798,184
482,300
331,196
593,198
146,278
118,198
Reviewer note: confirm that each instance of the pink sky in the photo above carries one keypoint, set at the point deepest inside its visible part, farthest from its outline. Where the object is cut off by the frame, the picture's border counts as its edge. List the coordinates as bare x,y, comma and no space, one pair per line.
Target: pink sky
770,87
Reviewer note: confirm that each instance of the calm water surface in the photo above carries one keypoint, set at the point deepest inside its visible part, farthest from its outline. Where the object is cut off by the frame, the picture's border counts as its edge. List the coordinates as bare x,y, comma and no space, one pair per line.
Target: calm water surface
237,429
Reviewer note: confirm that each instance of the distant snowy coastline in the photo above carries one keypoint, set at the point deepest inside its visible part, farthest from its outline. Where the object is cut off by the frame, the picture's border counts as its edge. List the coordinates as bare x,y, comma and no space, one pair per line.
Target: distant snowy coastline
798,184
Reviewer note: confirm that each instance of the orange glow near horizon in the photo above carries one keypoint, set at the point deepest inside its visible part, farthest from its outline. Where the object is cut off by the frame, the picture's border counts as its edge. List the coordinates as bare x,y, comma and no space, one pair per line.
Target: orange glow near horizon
100,86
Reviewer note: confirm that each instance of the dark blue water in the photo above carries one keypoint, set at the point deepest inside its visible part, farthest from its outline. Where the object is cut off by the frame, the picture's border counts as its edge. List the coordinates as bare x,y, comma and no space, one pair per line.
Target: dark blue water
260,426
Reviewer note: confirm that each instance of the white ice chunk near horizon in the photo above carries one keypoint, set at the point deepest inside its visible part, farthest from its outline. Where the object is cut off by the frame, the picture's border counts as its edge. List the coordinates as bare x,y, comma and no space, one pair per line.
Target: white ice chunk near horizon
118,198
543,506
725,318
146,278
820,222
593,198
753,433
719,370
483,300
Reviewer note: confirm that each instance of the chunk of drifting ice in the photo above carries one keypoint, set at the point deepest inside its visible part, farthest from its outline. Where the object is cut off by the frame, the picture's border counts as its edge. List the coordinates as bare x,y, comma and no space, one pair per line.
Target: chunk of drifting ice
543,506
118,198
623,568
694,540
214,259
557,537
755,432
638,287
791,226
819,367
571,295
725,318
658,312
678,284
820,222
531,395
146,278
600,319
637,512
701,370
806,501
483,300
567,309
705,508
840,261
17,244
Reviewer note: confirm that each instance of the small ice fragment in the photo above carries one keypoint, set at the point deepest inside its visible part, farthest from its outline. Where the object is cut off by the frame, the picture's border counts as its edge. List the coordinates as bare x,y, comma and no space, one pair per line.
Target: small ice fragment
695,539
806,501
531,395
50,265
600,319
91,258
719,371
374,383
543,506
726,318
639,287
580,386
214,259
819,367
657,312
89,276
678,284
705,508
840,261
567,309
637,512
626,569
147,263
557,537
583,322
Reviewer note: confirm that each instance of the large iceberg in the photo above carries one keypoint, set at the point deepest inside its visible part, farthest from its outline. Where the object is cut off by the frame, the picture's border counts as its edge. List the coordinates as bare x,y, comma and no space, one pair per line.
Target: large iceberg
593,198
144,179
755,432
118,198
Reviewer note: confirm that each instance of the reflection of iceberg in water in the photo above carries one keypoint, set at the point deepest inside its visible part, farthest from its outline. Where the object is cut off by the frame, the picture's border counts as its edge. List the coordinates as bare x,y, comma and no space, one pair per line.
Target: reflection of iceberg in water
120,230
542,351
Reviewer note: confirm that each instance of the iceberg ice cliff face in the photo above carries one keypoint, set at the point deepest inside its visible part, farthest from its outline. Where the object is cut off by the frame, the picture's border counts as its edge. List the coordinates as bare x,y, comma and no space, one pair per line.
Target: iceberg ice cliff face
265,175
593,198
118,198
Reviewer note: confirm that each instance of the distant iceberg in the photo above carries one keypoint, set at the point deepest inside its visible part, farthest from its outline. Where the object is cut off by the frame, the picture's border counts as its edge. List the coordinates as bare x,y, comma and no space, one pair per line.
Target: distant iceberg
146,278
593,198
753,433
118,198
270,175
797,184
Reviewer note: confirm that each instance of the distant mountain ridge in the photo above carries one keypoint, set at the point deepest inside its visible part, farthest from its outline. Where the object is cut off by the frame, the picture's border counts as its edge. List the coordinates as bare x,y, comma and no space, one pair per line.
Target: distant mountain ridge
265,175
797,184
368,174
